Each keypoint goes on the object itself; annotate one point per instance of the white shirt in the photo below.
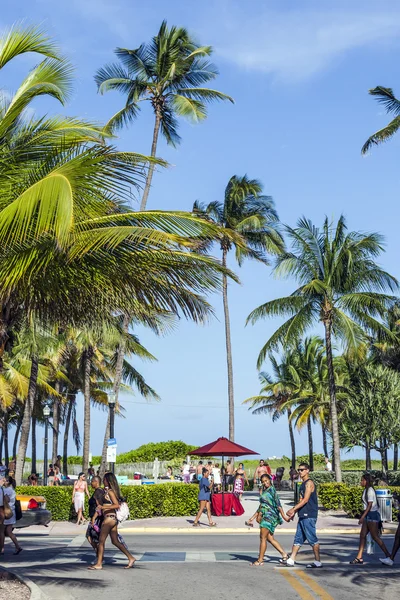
(370, 496)
(186, 469)
(10, 492)
(328, 466)
(217, 476)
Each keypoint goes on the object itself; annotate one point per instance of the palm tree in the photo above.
(252, 218)
(386, 97)
(340, 285)
(278, 394)
(168, 72)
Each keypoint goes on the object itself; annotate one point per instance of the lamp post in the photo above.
(46, 414)
(111, 404)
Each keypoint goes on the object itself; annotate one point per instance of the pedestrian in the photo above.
(209, 466)
(91, 473)
(57, 475)
(57, 463)
(268, 468)
(50, 475)
(185, 469)
(33, 479)
(269, 515)
(396, 544)
(3, 470)
(78, 497)
(229, 476)
(216, 475)
(369, 521)
(169, 474)
(9, 524)
(240, 478)
(109, 504)
(204, 498)
(1, 515)
(293, 476)
(328, 465)
(260, 470)
(11, 465)
(307, 509)
(199, 470)
(95, 518)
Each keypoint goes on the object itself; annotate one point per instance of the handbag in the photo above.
(122, 512)
(8, 513)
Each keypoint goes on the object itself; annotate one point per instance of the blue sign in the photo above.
(112, 442)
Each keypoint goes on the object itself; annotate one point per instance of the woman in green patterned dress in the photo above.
(269, 515)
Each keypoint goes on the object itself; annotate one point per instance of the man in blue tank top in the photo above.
(307, 509)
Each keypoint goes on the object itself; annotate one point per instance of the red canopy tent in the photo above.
(222, 447)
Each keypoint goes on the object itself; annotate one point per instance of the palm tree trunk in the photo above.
(56, 424)
(1, 443)
(87, 366)
(228, 343)
(152, 166)
(16, 436)
(291, 435)
(26, 420)
(324, 440)
(368, 458)
(34, 448)
(395, 457)
(333, 403)
(5, 427)
(310, 444)
(66, 434)
(117, 383)
(385, 455)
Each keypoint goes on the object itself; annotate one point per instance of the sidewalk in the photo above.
(328, 522)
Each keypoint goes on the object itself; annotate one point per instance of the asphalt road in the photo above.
(193, 566)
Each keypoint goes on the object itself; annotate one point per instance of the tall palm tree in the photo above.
(340, 286)
(278, 394)
(168, 72)
(252, 217)
(386, 97)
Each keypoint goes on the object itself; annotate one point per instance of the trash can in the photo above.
(385, 501)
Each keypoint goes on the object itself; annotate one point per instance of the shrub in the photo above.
(319, 477)
(145, 501)
(330, 495)
(333, 496)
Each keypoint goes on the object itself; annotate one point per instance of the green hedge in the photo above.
(353, 477)
(145, 501)
(333, 496)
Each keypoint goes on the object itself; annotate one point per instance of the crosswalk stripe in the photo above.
(200, 557)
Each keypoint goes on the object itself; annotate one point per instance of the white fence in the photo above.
(129, 469)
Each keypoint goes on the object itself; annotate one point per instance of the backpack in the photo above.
(122, 512)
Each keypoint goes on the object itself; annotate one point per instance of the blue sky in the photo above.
(299, 72)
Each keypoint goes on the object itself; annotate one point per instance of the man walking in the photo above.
(307, 509)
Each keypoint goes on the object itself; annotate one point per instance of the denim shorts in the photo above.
(306, 530)
(373, 516)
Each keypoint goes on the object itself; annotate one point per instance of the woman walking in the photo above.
(240, 477)
(78, 497)
(95, 519)
(269, 515)
(369, 520)
(109, 504)
(204, 499)
(9, 524)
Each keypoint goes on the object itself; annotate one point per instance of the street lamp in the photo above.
(46, 414)
(111, 403)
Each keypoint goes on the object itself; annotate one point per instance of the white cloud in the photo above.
(295, 45)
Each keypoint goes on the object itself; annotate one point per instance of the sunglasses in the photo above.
(302, 470)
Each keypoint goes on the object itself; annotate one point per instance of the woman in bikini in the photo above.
(78, 497)
(108, 505)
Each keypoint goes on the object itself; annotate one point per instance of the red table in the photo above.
(232, 505)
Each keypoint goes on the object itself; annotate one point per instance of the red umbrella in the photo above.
(222, 447)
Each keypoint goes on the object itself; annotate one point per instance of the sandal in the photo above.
(284, 559)
(357, 561)
(258, 563)
(212, 524)
(196, 524)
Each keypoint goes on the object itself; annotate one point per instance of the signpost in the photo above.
(112, 451)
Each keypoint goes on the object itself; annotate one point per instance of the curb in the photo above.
(36, 592)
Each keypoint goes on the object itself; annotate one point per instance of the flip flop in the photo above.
(18, 551)
(314, 566)
(258, 563)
